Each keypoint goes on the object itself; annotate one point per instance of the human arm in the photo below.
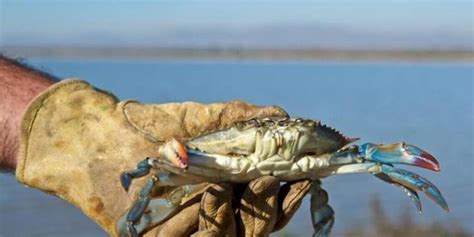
(19, 84)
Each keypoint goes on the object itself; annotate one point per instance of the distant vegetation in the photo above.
(237, 53)
(381, 226)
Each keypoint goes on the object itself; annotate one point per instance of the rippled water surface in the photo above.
(430, 105)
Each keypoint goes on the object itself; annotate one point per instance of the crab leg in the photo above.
(158, 209)
(322, 215)
(136, 220)
(134, 215)
(409, 181)
(143, 168)
(139, 206)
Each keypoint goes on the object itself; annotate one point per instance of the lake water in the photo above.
(427, 104)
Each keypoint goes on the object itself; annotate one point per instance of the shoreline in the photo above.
(237, 54)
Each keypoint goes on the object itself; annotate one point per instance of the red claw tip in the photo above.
(180, 151)
(428, 161)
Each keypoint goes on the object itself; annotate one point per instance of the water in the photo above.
(430, 105)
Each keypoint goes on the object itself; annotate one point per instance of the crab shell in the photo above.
(242, 138)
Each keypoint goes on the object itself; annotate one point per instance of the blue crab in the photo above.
(289, 149)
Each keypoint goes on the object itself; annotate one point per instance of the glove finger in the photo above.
(259, 207)
(189, 119)
(289, 200)
(216, 213)
(237, 111)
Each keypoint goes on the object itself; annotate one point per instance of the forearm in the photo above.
(19, 84)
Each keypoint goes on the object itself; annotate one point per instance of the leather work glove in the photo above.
(76, 140)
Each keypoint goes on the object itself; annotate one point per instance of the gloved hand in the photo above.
(76, 140)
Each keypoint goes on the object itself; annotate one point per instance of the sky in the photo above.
(386, 24)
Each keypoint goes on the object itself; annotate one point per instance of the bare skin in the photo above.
(19, 84)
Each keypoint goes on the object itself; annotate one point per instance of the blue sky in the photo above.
(324, 24)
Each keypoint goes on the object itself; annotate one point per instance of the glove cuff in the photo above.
(74, 142)
(30, 115)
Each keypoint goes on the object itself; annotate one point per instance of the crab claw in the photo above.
(399, 153)
(412, 183)
(175, 153)
(412, 194)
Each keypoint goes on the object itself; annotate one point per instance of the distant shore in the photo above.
(237, 54)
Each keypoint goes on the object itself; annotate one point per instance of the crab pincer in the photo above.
(399, 153)
(174, 153)
(402, 153)
(412, 183)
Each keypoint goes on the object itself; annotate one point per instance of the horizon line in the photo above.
(236, 53)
